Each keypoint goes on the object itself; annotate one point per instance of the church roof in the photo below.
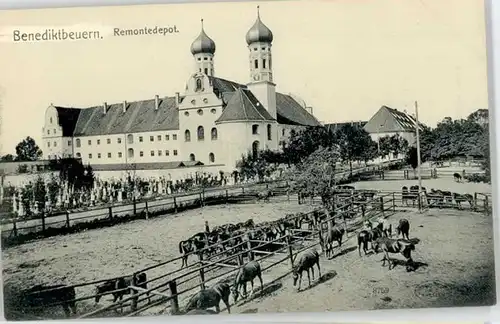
(259, 33)
(243, 106)
(203, 43)
(387, 120)
(289, 111)
(140, 116)
(67, 119)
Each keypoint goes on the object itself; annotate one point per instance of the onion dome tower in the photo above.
(259, 39)
(203, 50)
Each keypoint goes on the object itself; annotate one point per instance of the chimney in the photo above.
(125, 106)
(157, 102)
(105, 107)
(177, 97)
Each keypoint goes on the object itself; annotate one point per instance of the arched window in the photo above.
(264, 63)
(130, 139)
(256, 64)
(255, 129)
(78, 155)
(269, 132)
(201, 133)
(192, 157)
(78, 142)
(206, 71)
(214, 134)
(187, 135)
(130, 153)
(211, 158)
(255, 149)
(51, 120)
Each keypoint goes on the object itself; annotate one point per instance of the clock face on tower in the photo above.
(256, 77)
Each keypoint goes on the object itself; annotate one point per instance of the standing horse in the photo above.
(247, 273)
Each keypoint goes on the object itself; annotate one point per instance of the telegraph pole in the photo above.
(417, 127)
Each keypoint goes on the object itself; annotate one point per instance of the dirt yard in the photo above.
(457, 247)
(457, 269)
(122, 249)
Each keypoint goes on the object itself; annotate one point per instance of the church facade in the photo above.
(213, 122)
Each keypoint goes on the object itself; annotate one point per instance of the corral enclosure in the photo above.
(119, 250)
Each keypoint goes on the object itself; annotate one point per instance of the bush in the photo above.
(477, 177)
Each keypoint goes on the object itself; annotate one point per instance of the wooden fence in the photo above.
(72, 221)
(175, 284)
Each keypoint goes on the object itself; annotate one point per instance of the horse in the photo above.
(39, 295)
(385, 227)
(247, 273)
(210, 297)
(306, 262)
(457, 177)
(119, 287)
(403, 228)
(388, 245)
(264, 195)
(185, 247)
(333, 235)
(364, 237)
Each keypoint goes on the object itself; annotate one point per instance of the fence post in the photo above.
(133, 301)
(227, 196)
(475, 201)
(201, 199)
(202, 271)
(43, 221)
(14, 228)
(394, 201)
(290, 250)
(110, 212)
(135, 206)
(175, 205)
(67, 219)
(250, 252)
(287, 194)
(147, 210)
(486, 204)
(363, 210)
(382, 205)
(242, 189)
(174, 301)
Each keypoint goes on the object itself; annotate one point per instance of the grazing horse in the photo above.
(388, 245)
(247, 273)
(39, 296)
(457, 177)
(210, 297)
(306, 262)
(462, 198)
(403, 228)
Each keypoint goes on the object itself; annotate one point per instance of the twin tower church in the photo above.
(213, 123)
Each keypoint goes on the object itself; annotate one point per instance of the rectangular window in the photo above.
(174, 137)
(159, 153)
(151, 138)
(119, 140)
(69, 143)
(167, 152)
(55, 144)
(98, 142)
(141, 153)
(167, 137)
(108, 140)
(109, 155)
(140, 138)
(89, 142)
(159, 137)
(90, 155)
(98, 155)
(175, 152)
(119, 154)
(48, 132)
(152, 153)
(48, 144)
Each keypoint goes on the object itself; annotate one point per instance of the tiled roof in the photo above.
(334, 126)
(387, 120)
(140, 116)
(67, 119)
(244, 106)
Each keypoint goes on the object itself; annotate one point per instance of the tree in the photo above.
(251, 166)
(412, 158)
(302, 144)
(384, 145)
(398, 145)
(352, 141)
(40, 193)
(28, 150)
(316, 174)
(8, 158)
(73, 172)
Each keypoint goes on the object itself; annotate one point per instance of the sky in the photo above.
(344, 58)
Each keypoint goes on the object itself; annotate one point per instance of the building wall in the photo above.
(53, 143)
(160, 146)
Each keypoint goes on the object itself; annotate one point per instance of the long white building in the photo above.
(213, 122)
